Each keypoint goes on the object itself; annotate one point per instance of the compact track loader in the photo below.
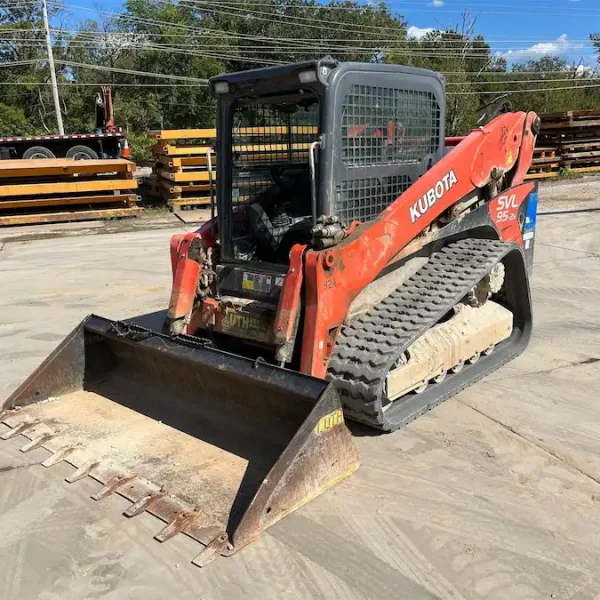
(355, 267)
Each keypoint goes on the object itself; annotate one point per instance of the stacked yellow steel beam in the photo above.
(181, 175)
(62, 189)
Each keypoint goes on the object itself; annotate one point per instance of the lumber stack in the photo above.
(62, 189)
(567, 140)
(180, 175)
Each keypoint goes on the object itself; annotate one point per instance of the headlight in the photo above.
(307, 76)
(221, 87)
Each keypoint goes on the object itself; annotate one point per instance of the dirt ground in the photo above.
(493, 495)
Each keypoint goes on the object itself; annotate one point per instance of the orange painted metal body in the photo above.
(333, 278)
(362, 256)
(186, 271)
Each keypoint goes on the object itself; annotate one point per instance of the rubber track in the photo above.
(368, 348)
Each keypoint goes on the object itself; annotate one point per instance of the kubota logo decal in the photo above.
(437, 192)
(328, 422)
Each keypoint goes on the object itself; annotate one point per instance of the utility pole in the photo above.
(59, 122)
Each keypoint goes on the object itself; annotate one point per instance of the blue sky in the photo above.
(545, 26)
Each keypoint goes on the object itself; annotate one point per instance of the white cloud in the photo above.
(437, 3)
(562, 45)
(585, 71)
(418, 32)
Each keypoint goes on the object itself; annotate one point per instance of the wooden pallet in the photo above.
(176, 203)
(199, 134)
(567, 139)
(268, 149)
(587, 123)
(129, 200)
(183, 134)
(174, 189)
(67, 187)
(545, 151)
(181, 177)
(63, 167)
(177, 162)
(58, 190)
(180, 150)
(589, 154)
(64, 217)
(570, 114)
(550, 174)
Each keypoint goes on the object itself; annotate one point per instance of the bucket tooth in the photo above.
(178, 524)
(37, 442)
(113, 486)
(20, 428)
(212, 551)
(60, 455)
(83, 471)
(143, 504)
(4, 414)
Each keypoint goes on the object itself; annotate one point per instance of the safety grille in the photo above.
(266, 139)
(384, 126)
(364, 199)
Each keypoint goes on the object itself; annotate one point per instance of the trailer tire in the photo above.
(38, 152)
(82, 153)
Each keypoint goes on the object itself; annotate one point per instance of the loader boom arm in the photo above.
(504, 146)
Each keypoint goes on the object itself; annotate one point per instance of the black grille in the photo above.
(383, 126)
(267, 138)
(364, 199)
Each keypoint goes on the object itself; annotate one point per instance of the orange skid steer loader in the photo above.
(354, 268)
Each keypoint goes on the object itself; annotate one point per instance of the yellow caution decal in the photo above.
(328, 422)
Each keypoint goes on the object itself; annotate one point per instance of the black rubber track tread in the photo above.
(368, 348)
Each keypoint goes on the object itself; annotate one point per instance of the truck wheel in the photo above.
(82, 153)
(38, 152)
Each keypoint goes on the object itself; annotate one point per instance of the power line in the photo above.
(389, 5)
(222, 33)
(159, 22)
(516, 81)
(207, 30)
(234, 56)
(184, 35)
(478, 73)
(187, 85)
(141, 45)
(422, 47)
(234, 53)
(113, 84)
(19, 63)
(132, 72)
(472, 53)
(202, 5)
(435, 52)
(525, 91)
(438, 10)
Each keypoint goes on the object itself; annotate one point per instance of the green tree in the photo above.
(13, 121)
(463, 57)
(557, 84)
